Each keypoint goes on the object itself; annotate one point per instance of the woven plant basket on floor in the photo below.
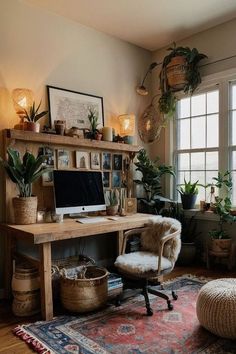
(25, 210)
(86, 294)
(176, 73)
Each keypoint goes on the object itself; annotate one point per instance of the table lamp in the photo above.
(22, 99)
(127, 127)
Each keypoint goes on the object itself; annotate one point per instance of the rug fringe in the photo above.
(34, 343)
(190, 276)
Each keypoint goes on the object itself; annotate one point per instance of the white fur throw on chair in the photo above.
(146, 260)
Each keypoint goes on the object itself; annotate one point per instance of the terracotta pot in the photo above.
(221, 245)
(176, 73)
(25, 210)
(32, 126)
(98, 136)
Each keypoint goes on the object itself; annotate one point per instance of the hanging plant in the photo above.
(180, 72)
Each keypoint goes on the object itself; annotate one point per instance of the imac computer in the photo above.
(78, 191)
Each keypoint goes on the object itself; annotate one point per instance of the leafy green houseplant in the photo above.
(31, 117)
(112, 208)
(180, 71)
(152, 174)
(222, 206)
(188, 194)
(93, 133)
(24, 172)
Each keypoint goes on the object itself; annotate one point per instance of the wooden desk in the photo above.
(44, 234)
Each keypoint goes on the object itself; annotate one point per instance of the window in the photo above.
(205, 133)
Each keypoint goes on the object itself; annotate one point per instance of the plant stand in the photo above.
(218, 256)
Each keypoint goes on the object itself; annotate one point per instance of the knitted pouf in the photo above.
(216, 307)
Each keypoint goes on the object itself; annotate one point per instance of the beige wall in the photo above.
(39, 48)
(217, 43)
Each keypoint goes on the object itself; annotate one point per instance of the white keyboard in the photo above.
(92, 220)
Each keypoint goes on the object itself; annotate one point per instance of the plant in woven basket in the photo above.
(31, 117)
(180, 71)
(112, 207)
(24, 172)
(93, 119)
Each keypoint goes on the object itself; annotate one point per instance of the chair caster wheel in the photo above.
(170, 306)
(149, 312)
(174, 295)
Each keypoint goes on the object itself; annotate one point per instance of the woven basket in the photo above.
(87, 294)
(68, 264)
(25, 210)
(176, 73)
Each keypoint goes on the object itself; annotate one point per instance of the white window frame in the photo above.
(220, 80)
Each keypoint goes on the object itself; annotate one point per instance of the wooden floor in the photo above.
(9, 344)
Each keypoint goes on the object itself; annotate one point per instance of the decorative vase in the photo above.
(32, 127)
(176, 73)
(25, 210)
(188, 201)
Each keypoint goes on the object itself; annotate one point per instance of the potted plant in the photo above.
(220, 240)
(24, 172)
(93, 133)
(152, 174)
(188, 194)
(180, 71)
(112, 208)
(32, 116)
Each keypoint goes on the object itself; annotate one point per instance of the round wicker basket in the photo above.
(86, 294)
(25, 210)
(176, 73)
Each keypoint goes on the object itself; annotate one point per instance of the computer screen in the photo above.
(78, 191)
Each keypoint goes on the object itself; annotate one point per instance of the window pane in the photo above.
(213, 102)
(233, 162)
(183, 162)
(212, 160)
(210, 175)
(233, 130)
(182, 176)
(198, 105)
(184, 108)
(213, 131)
(197, 161)
(233, 97)
(201, 195)
(184, 134)
(198, 176)
(198, 132)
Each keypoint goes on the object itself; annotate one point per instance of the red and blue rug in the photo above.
(127, 329)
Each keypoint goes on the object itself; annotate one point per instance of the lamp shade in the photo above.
(22, 99)
(127, 124)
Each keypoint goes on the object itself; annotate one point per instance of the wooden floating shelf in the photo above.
(43, 138)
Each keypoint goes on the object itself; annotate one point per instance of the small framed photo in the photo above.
(116, 179)
(63, 159)
(47, 179)
(49, 153)
(117, 162)
(106, 179)
(106, 161)
(95, 161)
(82, 160)
(130, 206)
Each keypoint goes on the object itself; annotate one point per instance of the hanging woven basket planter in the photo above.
(176, 73)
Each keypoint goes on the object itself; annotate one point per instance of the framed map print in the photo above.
(73, 107)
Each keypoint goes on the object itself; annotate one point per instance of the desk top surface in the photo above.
(49, 232)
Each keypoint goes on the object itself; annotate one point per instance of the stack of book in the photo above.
(115, 285)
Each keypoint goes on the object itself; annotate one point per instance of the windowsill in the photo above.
(201, 215)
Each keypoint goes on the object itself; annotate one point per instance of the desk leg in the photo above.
(46, 281)
(119, 241)
(8, 264)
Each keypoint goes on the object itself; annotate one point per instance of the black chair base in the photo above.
(141, 286)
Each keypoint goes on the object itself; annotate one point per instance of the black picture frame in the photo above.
(73, 107)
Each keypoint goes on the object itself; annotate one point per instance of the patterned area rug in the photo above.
(127, 329)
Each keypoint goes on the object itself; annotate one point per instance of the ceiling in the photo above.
(150, 24)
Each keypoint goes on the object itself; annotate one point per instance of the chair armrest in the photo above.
(129, 233)
(162, 243)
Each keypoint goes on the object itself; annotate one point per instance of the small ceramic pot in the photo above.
(32, 127)
(112, 210)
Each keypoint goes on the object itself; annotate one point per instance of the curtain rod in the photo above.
(218, 61)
